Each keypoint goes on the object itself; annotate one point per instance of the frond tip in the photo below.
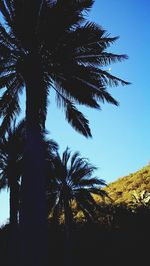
(77, 120)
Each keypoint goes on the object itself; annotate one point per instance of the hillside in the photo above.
(123, 189)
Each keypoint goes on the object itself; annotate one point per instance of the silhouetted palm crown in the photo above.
(12, 146)
(11, 154)
(47, 44)
(71, 180)
(11, 166)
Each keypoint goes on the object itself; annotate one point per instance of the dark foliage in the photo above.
(71, 183)
(12, 146)
(50, 44)
(123, 242)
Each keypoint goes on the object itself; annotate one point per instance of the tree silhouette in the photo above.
(11, 168)
(71, 181)
(44, 45)
(12, 146)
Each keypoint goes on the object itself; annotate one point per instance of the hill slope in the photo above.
(122, 190)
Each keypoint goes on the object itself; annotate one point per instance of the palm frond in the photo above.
(92, 182)
(91, 82)
(11, 154)
(50, 146)
(6, 79)
(82, 170)
(7, 39)
(10, 112)
(73, 116)
(3, 183)
(86, 208)
(76, 90)
(77, 120)
(111, 80)
(98, 191)
(5, 12)
(88, 37)
(99, 58)
(74, 160)
(9, 104)
(65, 157)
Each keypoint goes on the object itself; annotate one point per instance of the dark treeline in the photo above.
(120, 238)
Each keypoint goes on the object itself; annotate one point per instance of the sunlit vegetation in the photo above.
(123, 190)
(131, 192)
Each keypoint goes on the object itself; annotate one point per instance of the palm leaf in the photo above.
(3, 183)
(5, 12)
(77, 120)
(65, 157)
(86, 208)
(92, 182)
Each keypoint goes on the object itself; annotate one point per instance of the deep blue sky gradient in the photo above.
(120, 143)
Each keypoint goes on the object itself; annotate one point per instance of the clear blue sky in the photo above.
(120, 143)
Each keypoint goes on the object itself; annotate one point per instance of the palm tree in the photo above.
(48, 45)
(11, 168)
(12, 146)
(71, 181)
(11, 154)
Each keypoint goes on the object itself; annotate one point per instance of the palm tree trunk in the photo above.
(14, 203)
(33, 216)
(68, 231)
(14, 206)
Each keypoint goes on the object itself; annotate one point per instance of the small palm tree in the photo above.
(11, 168)
(11, 154)
(12, 146)
(72, 181)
